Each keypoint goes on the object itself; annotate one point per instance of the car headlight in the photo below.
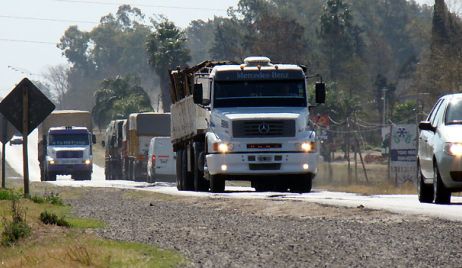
(454, 149)
(222, 147)
(87, 162)
(51, 162)
(308, 147)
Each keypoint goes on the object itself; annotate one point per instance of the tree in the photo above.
(167, 49)
(116, 46)
(118, 98)
(57, 78)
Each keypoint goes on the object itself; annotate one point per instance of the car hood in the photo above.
(451, 133)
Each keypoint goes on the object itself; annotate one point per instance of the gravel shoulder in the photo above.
(217, 232)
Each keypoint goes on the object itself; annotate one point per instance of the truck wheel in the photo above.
(86, 176)
(200, 183)
(188, 179)
(217, 184)
(179, 173)
(424, 191)
(301, 184)
(440, 193)
(51, 176)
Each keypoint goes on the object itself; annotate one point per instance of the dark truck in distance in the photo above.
(113, 150)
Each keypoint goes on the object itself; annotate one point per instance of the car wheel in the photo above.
(425, 191)
(217, 184)
(441, 194)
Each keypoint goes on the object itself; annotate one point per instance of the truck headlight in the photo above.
(51, 162)
(87, 162)
(222, 147)
(308, 147)
(454, 149)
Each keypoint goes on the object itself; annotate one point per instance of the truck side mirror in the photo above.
(197, 94)
(93, 138)
(320, 92)
(103, 143)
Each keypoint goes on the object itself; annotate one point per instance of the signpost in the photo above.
(403, 151)
(26, 107)
(6, 133)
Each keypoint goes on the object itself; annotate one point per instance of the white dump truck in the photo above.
(65, 145)
(245, 121)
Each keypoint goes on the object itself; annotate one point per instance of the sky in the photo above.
(30, 29)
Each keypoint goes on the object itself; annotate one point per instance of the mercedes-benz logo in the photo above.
(264, 128)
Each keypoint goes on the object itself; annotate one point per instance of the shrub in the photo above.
(51, 198)
(18, 227)
(8, 194)
(13, 231)
(51, 218)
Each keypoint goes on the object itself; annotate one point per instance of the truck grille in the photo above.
(275, 166)
(69, 154)
(263, 128)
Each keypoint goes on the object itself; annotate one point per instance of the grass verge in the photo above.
(50, 245)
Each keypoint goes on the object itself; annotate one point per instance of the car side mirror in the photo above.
(426, 125)
(198, 94)
(93, 138)
(320, 89)
(103, 143)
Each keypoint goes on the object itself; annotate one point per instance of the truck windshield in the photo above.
(274, 93)
(69, 139)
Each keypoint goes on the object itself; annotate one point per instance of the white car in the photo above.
(439, 157)
(161, 160)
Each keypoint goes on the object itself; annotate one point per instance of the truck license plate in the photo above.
(264, 158)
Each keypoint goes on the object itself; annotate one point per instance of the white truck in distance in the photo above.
(65, 145)
(243, 122)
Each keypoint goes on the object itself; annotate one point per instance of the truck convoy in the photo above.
(137, 134)
(243, 122)
(113, 150)
(65, 145)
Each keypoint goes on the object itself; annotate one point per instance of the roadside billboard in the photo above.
(403, 152)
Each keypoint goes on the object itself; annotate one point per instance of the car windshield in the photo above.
(284, 93)
(454, 112)
(69, 139)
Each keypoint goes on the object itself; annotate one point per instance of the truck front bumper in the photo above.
(69, 169)
(268, 163)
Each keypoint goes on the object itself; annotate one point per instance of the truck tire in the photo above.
(50, 176)
(187, 177)
(217, 184)
(441, 194)
(200, 183)
(301, 183)
(179, 173)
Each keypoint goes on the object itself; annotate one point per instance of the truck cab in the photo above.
(68, 151)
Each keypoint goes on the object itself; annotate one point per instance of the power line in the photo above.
(140, 5)
(47, 19)
(26, 41)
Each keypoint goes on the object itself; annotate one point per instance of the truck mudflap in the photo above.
(268, 163)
